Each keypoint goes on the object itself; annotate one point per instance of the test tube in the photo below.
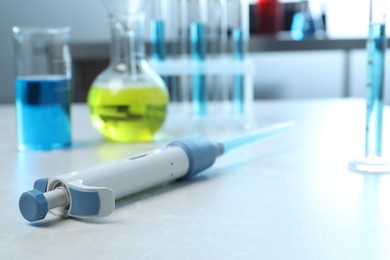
(376, 48)
(157, 39)
(238, 81)
(223, 44)
(240, 34)
(181, 42)
(162, 37)
(217, 26)
(198, 53)
(244, 19)
(170, 14)
(223, 33)
(183, 28)
(217, 42)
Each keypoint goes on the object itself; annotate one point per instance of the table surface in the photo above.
(289, 197)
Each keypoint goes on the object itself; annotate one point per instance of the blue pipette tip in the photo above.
(257, 135)
(33, 205)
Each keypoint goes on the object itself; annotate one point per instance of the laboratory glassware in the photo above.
(307, 22)
(198, 20)
(157, 39)
(92, 192)
(198, 36)
(238, 80)
(268, 17)
(42, 87)
(239, 38)
(128, 100)
(373, 160)
(158, 45)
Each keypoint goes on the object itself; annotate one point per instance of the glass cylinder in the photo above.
(42, 87)
(128, 100)
(376, 48)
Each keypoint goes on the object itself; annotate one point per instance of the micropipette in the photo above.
(92, 192)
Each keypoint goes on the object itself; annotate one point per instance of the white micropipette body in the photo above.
(92, 192)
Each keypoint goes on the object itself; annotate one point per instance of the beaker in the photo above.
(128, 100)
(42, 87)
(376, 48)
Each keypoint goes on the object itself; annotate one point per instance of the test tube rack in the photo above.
(198, 47)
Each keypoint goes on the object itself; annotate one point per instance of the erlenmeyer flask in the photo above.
(128, 100)
(307, 22)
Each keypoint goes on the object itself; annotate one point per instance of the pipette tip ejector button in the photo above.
(33, 205)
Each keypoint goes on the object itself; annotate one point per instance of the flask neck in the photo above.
(127, 45)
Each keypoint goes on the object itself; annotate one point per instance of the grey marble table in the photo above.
(289, 197)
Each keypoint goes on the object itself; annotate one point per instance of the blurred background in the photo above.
(326, 61)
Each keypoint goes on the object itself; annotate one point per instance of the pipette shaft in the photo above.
(92, 192)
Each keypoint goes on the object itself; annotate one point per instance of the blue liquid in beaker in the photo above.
(376, 47)
(43, 112)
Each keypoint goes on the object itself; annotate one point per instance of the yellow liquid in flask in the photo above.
(128, 114)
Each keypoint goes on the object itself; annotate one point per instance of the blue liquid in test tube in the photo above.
(198, 52)
(157, 38)
(376, 47)
(43, 112)
(238, 82)
(373, 162)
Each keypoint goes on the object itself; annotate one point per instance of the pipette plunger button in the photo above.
(33, 205)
